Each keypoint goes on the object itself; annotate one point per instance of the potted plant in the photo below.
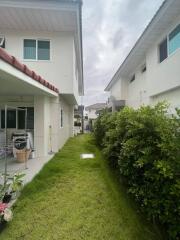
(8, 192)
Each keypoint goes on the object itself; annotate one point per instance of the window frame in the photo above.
(37, 39)
(9, 110)
(2, 42)
(17, 119)
(170, 54)
(61, 118)
(143, 68)
(133, 78)
(167, 37)
(162, 41)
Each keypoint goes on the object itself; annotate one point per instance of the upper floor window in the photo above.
(174, 40)
(36, 49)
(61, 118)
(132, 78)
(2, 42)
(163, 50)
(143, 69)
(170, 44)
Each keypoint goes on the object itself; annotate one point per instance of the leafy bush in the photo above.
(144, 145)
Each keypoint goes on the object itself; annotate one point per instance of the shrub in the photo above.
(144, 145)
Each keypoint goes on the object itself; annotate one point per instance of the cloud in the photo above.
(110, 29)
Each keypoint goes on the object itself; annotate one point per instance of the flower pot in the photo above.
(22, 155)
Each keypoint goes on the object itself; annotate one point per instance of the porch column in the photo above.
(55, 124)
(41, 125)
(71, 121)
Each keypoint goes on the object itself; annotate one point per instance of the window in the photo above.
(163, 50)
(174, 40)
(17, 118)
(11, 119)
(36, 49)
(170, 44)
(2, 42)
(143, 69)
(30, 49)
(61, 118)
(43, 50)
(133, 78)
(22, 117)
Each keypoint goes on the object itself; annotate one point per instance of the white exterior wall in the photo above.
(75, 75)
(59, 69)
(137, 90)
(48, 133)
(41, 125)
(92, 114)
(116, 90)
(62, 73)
(172, 97)
(161, 81)
(163, 76)
(46, 113)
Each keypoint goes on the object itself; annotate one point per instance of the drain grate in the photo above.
(87, 155)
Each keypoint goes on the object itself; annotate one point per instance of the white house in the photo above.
(41, 69)
(92, 110)
(151, 71)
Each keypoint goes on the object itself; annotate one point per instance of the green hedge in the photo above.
(144, 145)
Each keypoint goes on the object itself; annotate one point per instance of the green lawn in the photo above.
(73, 198)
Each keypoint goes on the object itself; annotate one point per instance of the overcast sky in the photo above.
(110, 30)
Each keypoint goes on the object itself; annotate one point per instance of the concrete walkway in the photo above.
(32, 168)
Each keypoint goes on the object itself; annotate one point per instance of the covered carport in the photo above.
(25, 99)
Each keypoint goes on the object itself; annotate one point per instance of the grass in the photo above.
(73, 199)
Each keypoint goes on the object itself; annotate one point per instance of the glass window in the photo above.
(174, 40)
(61, 118)
(43, 50)
(163, 50)
(30, 49)
(133, 78)
(22, 118)
(143, 68)
(11, 119)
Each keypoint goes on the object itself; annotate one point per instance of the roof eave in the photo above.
(149, 27)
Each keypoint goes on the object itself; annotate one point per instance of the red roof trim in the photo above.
(24, 69)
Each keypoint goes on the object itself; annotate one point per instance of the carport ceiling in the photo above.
(10, 85)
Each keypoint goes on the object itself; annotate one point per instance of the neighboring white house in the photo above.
(41, 69)
(151, 71)
(92, 110)
(91, 113)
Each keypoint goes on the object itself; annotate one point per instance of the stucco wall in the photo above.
(49, 135)
(137, 90)
(161, 81)
(116, 90)
(59, 70)
(165, 75)
(172, 97)
(92, 114)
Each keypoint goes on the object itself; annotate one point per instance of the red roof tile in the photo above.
(23, 68)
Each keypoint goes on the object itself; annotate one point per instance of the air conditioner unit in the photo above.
(2, 42)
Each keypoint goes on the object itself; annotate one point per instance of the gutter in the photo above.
(81, 36)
